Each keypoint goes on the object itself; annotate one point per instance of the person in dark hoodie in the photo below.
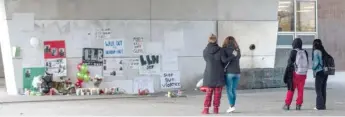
(213, 75)
(232, 69)
(296, 74)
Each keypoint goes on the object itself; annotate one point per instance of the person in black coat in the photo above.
(213, 74)
(292, 79)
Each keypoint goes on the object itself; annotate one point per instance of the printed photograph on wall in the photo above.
(57, 67)
(113, 67)
(54, 49)
(113, 47)
(29, 74)
(149, 64)
(138, 45)
(93, 56)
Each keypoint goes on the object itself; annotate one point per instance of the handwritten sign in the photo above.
(113, 47)
(103, 33)
(143, 83)
(149, 64)
(93, 56)
(133, 63)
(138, 47)
(170, 80)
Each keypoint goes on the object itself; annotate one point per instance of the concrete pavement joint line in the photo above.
(75, 99)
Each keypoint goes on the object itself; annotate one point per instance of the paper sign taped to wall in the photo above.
(170, 80)
(143, 83)
(149, 64)
(113, 67)
(114, 47)
(173, 40)
(154, 48)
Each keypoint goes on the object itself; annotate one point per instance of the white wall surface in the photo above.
(250, 21)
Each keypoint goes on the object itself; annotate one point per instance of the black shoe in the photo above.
(298, 107)
(286, 107)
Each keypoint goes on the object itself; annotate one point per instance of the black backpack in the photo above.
(329, 66)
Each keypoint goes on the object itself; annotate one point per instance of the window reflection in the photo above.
(286, 16)
(306, 16)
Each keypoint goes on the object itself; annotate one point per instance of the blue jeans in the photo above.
(231, 86)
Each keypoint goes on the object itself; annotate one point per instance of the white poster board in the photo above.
(113, 47)
(142, 83)
(113, 67)
(58, 67)
(173, 40)
(138, 45)
(170, 61)
(170, 80)
(154, 48)
(149, 64)
(133, 63)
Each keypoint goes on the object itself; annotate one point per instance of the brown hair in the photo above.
(212, 39)
(230, 40)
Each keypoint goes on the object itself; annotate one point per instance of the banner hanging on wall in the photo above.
(114, 47)
(54, 49)
(138, 45)
(149, 64)
(58, 67)
(113, 67)
(93, 56)
(170, 80)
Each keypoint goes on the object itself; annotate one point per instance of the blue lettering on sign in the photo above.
(109, 43)
(114, 52)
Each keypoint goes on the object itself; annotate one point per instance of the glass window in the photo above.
(307, 39)
(306, 16)
(286, 16)
(285, 39)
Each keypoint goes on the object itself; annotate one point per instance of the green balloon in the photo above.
(87, 78)
(83, 68)
(79, 75)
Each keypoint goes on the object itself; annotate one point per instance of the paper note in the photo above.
(149, 64)
(113, 47)
(142, 83)
(154, 48)
(113, 67)
(170, 61)
(138, 45)
(170, 80)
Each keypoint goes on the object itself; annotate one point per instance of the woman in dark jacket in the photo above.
(213, 75)
(232, 69)
(293, 79)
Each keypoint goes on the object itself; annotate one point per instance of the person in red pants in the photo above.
(296, 74)
(213, 80)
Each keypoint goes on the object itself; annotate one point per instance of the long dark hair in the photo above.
(230, 40)
(317, 45)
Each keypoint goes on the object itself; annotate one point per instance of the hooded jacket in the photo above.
(231, 59)
(290, 68)
(214, 71)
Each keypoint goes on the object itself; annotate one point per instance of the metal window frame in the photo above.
(295, 32)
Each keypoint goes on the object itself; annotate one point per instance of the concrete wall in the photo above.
(331, 20)
(250, 21)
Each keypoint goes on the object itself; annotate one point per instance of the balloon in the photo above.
(80, 75)
(79, 66)
(87, 79)
(83, 68)
(34, 42)
(80, 79)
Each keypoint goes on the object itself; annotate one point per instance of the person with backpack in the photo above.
(323, 65)
(296, 74)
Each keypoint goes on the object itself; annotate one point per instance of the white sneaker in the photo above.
(231, 109)
(316, 108)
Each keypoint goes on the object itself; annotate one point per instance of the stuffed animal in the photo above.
(37, 82)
